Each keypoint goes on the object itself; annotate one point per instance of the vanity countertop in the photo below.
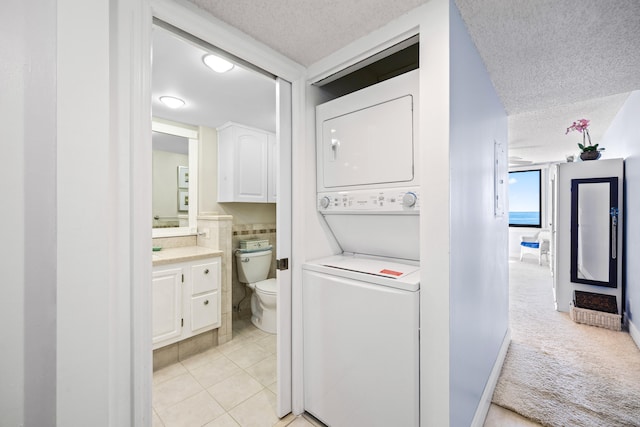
(181, 254)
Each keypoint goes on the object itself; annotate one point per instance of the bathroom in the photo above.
(202, 209)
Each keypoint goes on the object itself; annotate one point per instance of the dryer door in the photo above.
(369, 146)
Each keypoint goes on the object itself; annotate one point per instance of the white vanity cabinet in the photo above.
(186, 299)
(246, 164)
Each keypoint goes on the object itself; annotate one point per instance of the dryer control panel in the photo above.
(386, 200)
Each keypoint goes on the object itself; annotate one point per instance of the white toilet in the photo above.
(253, 269)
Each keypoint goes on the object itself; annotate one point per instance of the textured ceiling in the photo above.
(551, 61)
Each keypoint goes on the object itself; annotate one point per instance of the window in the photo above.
(524, 198)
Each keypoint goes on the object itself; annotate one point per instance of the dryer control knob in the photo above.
(409, 200)
(325, 202)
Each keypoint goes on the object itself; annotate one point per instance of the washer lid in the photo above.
(269, 286)
(383, 271)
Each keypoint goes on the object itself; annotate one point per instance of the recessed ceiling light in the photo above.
(172, 101)
(217, 64)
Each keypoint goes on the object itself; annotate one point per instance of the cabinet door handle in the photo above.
(206, 271)
(206, 302)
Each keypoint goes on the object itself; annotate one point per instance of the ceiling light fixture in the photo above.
(217, 64)
(172, 101)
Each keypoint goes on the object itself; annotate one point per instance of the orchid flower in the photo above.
(579, 125)
(582, 126)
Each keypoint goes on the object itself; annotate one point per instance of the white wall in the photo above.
(28, 182)
(622, 139)
(479, 317)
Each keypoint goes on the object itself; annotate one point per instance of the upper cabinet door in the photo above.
(251, 162)
(244, 165)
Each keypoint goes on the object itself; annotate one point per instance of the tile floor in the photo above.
(234, 385)
(231, 385)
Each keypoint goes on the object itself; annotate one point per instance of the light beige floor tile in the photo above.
(255, 334)
(269, 343)
(167, 373)
(248, 355)
(301, 422)
(224, 421)
(257, 411)
(235, 390)
(501, 417)
(285, 421)
(174, 390)
(236, 343)
(202, 358)
(155, 420)
(194, 411)
(274, 388)
(264, 371)
(215, 371)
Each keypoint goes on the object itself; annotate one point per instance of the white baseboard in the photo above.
(635, 333)
(487, 394)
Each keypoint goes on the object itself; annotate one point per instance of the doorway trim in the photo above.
(194, 21)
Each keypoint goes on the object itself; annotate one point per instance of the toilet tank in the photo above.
(253, 266)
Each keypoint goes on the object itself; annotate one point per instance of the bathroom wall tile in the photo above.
(174, 242)
(235, 390)
(197, 344)
(165, 356)
(196, 410)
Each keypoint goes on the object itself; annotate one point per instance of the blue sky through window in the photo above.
(524, 198)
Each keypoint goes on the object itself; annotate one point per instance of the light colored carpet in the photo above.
(560, 373)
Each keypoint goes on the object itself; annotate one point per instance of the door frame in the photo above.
(206, 27)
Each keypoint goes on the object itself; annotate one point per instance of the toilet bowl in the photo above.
(253, 269)
(263, 305)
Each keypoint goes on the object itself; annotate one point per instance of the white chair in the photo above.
(538, 244)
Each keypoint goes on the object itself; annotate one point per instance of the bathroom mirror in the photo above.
(175, 183)
(594, 231)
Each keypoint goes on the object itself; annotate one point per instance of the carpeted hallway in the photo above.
(560, 373)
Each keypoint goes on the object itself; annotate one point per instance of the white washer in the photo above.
(361, 341)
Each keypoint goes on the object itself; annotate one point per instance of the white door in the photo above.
(283, 249)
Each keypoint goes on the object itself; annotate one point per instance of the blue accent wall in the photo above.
(479, 313)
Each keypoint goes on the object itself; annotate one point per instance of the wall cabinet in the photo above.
(186, 300)
(246, 164)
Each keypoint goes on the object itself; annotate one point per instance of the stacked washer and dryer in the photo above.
(361, 307)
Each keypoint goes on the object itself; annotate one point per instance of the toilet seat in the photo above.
(269, 286)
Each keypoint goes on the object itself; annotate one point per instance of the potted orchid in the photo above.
(588, 151)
